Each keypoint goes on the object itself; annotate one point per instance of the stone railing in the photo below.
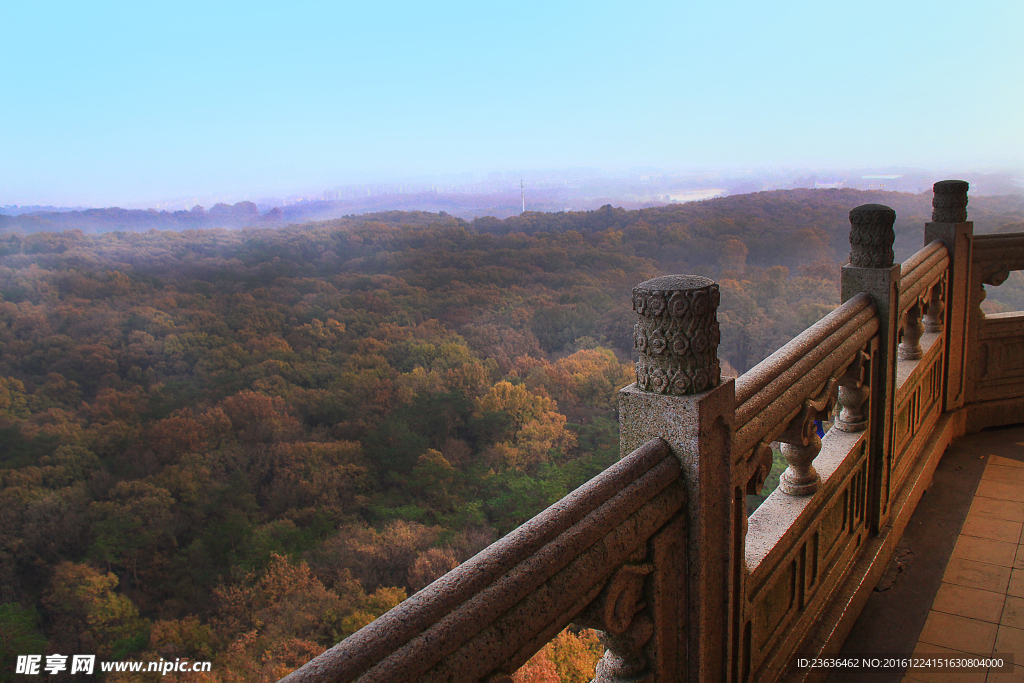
(658, 552)
(605, 556)
(996, 379)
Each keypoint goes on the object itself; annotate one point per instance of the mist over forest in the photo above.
(497, 194)
(242, 445)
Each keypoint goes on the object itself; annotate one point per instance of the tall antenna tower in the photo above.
(522, 193)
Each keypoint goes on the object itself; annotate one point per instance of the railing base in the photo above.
(1007, 411)
(845, 607)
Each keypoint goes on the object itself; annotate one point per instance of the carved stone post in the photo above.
(871, 270)
(679, 397)
(949, 201)
(677, 334)
(963, 296)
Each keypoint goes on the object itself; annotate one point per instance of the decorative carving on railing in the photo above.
(999, 357)
(801, 443)
(853, 393)
(677, 334)
(993, 275)
(761, 467)
(626, 628)
(996, 274)
(612, 554)
(949, 201)
(872, 236)
(918, 403)
(995, 256)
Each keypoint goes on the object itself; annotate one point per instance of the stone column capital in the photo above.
(677, 334)
(872, 236)
(949, 203)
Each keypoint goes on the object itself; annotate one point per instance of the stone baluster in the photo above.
(913, 328)
(624, 660)
(800, 449)
(934, 318)
(871, 270)
(625, 627)
(801, 444)
(853, 393)
(679, 396)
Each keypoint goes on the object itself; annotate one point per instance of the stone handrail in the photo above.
(921, 274)
(800, 546)
(658, 552)
(1001, 249)
(922, 297)
(584, 559)
(772, 392)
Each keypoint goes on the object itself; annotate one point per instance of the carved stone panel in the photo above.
(640, 613)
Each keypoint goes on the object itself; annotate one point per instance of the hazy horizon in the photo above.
(542, 187)
(112, 104)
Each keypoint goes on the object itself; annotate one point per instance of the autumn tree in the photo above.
(524, 426)
(88, 615)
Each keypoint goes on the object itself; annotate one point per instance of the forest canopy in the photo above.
(243, 445)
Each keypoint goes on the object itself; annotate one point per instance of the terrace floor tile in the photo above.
(1000, 509)
(959, 633)
(969, 602)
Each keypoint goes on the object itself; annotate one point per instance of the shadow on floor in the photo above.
(896, 611)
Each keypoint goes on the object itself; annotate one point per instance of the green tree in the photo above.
(19, 635)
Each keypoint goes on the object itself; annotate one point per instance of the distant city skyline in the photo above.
(125, 104)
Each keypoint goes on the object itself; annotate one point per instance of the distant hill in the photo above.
(246, 214)
(14, 210)
(767, 221)
(134, 220)
(755, 218)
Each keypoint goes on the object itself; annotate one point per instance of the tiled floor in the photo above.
(979, 608)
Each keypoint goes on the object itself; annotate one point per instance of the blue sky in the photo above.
(108, 103)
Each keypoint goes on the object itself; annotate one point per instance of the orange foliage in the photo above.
(257, 418)
(531, 426)
(569, 658)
